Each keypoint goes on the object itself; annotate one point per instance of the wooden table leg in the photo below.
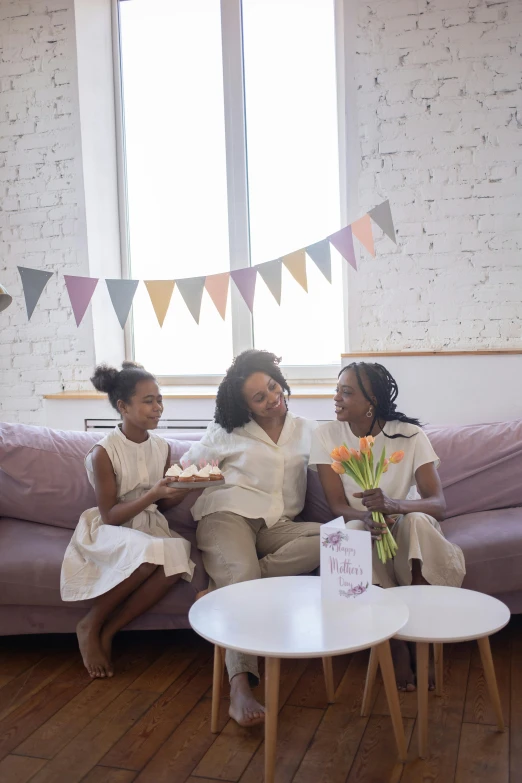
(217, 682)
(390, 686)
(371, 674)
(329, 680)
(439, 668)
(272, 670)
(423, 655)
(489, 673)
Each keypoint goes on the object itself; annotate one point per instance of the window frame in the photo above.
(237, 179)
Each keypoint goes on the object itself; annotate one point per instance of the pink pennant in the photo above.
(80, 290)
(343, 242)
(245, 279)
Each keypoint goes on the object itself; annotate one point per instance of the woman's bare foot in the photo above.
(106, 645)
(244, 708)
(403, 665)
(93, 655)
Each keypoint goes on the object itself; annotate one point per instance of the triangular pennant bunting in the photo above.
(296, 264)
(33, 283)
(122, 293)
(270, 271)
(362, 229)
(160, 292)
(245, 279)
(320, 254)
(217, 289)
(343, 242)
(80, 290)
(383, 217)
(191, 289)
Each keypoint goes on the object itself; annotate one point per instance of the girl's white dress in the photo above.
(101, 556)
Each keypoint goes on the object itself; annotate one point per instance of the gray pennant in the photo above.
(33, 283)
(122, 293)
(381, 215)
(319, 252)
(270, 271)
(191, 289)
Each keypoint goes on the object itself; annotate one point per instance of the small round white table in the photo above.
(284, 617)
(440, 615)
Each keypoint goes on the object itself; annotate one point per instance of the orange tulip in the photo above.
(356, 454)
(344, 454)
(397, 457)
(334, 454)
(365, 445)
(337, 468)
(386, 463)
(371, 440)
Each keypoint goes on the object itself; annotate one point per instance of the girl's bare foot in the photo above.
(403, 665)
(244, 708)
(93, 655)
(106, 645)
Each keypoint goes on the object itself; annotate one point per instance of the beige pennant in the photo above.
(160, 292)
(217, 288)
(296, 264)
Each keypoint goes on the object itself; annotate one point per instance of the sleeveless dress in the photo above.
(101, 556)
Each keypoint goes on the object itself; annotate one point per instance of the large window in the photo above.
(231, 159)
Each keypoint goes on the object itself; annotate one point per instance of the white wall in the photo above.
(41, 201)
(439, 109)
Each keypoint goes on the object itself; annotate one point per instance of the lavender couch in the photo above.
(44, 489)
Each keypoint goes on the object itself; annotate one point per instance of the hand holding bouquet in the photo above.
(360, 466)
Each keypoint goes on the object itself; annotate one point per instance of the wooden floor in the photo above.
(150, 723)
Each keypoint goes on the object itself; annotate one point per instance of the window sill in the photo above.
(317, 391)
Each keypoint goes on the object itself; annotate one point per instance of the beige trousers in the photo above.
(236, 549)
(419, 537)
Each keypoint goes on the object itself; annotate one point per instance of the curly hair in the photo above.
(385, 390)
(231, 409)
(119, 384)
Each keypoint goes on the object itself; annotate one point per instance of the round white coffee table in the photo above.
(439, 615)
(284, 617)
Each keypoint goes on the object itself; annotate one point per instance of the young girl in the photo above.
(123, 553)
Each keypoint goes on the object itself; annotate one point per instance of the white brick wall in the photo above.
(40, 205)
(440, 115)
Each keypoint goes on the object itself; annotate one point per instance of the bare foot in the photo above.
(93, 656)
(403, 666)
(244, 708)
(106, 645)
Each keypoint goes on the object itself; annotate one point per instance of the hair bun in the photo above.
(105, 378)
(128, 365)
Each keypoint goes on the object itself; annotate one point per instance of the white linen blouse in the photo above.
(399, 481)
(264, 480)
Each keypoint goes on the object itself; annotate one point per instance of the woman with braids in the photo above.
(410, 496)
(122, 553)
(246, 527)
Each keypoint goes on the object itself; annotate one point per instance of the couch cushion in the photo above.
(492, 546)
(481, 465)
(42, 473)
(31, 557)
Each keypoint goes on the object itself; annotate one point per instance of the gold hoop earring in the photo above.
(369, 415)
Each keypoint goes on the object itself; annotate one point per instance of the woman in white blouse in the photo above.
(410, 493)
(246, 528)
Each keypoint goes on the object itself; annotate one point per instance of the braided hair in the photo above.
(120, 384)
(385, 390)
(231, 409)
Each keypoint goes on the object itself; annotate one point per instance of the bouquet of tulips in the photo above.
(361, 467)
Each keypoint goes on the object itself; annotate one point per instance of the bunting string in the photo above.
(122, 292)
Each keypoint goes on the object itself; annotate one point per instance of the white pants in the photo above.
(418, 537)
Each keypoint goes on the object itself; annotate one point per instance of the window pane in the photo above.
(176, 175)
(293, 170)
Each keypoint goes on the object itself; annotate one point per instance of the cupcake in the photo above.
(189, 474)
(174, 472)
(215, 473)
(203, 473)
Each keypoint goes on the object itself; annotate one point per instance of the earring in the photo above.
(370, 413)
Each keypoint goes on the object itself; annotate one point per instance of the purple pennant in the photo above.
(343, 242)
(80, 290)
(245, 279)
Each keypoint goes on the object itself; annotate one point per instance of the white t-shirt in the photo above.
(399, 481)
(264, 480)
